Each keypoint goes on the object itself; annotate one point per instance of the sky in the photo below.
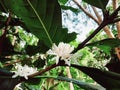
(78, 23)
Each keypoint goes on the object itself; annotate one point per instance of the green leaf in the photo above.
(2, 7)
(2, 20)
(63, 2)
(81, 84)
(41, 17)
(106, 45)
(52, 87)
(39, 63)
(32, 50)
(107, 79)
(8, 83)
(33, 81)
(75, 10)
(97, 3)
(4, 72)
(6, 80)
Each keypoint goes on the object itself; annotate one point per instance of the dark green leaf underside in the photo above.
(97, 3)
(106, 44)
(107, 79)
(42, 18)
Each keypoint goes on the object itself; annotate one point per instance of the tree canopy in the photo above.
(37, 52)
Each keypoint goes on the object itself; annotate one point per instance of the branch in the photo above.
(97, 14)
(116, 20)
(61, 63)
(44, 70)
(85, 11)
(2, 38)
(108, 19)
(69, 76)
(106, 28)
(8, 64)
(81, 45)
(115, 13)
(17, 61)
(8, 20)
(115, 5)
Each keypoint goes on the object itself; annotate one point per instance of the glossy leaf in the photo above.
(42, 18)
(8, 83)
(106, 44)
(81, 84)
(33, 81)
(6, 80)
(75, 10)
(4, 72)
(32, 50)
(107, 79)
(63, 2)
(2, 7)
(97, 3)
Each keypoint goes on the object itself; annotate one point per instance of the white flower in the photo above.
(43, 56)
(23, 71)
(62, 51)
(18, 87)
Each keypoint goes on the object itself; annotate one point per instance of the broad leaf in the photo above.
(2, 7)
(106, 44)
(63, 2)
(4, 72)
(97, 3)
(6, 82)
(32, 50)
(41, 17)
(75, 10)
(107, 79)
(81, 84)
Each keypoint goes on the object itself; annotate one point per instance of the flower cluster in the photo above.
(23, 71)
(62, 51)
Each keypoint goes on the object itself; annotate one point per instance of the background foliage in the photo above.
(28, 28)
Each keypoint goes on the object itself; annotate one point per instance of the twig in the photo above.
(97, 14)
(108, 19)
(106, 28)
(61, 63)
(115, 13)
(8, 64)
(44, 70)
(2, 38)
(85, 11)
(81, 45)
(69, 76)
(11, 63)
(8, 21)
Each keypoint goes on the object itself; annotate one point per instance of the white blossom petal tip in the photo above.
(63, 51)
(23, 71)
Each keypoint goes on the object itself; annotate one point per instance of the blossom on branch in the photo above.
(62, 51)
(23, 71)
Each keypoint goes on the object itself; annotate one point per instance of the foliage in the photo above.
(28, 30)
(46, 20)
(98, 3)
